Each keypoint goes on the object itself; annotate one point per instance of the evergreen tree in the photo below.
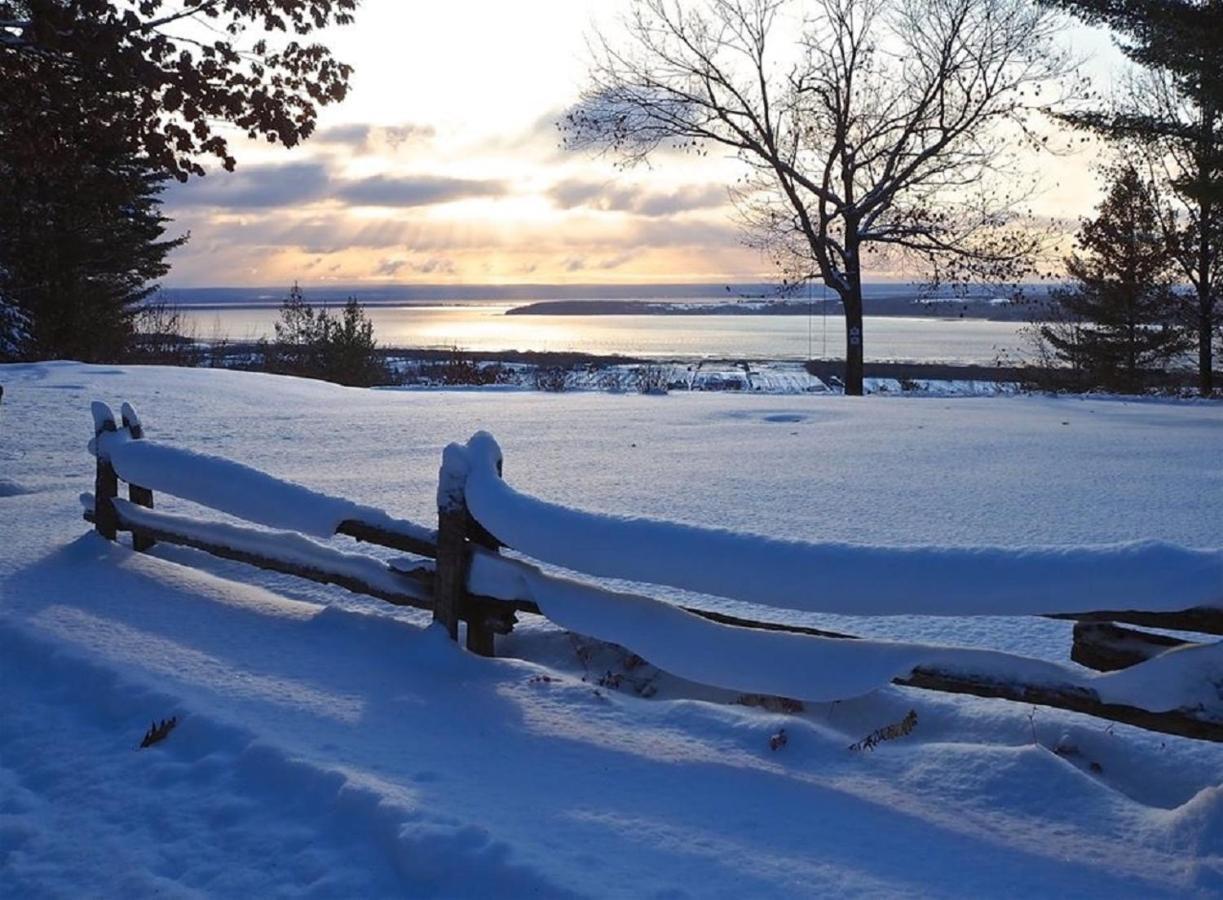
(351, 352)
(81, 231)
(1121, 318)
(1173, 119)
(300, 334)
(311, 343)
(14, 330)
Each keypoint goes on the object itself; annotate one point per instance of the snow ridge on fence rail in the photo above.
(824, 669)
(237, 489)
(850, 579)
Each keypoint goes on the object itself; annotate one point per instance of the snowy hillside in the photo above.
(328, 745)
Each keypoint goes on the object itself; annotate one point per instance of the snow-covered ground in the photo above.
(329, 746)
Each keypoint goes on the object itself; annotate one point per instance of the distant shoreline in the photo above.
(901, 299)
(880, 307)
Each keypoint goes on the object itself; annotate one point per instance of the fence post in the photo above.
(141, 496)
(480, 633)
(105, 483)
(450, 583)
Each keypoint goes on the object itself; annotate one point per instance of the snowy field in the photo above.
(328, 746)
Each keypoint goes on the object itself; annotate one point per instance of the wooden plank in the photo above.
(141, 496)
(450, 580)
(105, 482)
(1106, 647)
(412, 595)
(1202, 619)
(1179, 722)
(386, 537)
(725, 619)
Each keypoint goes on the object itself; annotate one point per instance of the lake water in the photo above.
(485, 327)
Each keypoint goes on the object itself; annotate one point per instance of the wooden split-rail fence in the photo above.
(439, 583)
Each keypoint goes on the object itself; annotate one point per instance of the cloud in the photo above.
(354, 135)
(254, 187)
(424, 190)
(586, 264)
(301, 184)
(390, 266)
(364, 138)
(434, 265)
(576, 192)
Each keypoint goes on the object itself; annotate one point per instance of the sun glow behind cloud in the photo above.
(443, 166)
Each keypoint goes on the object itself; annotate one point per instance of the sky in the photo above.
(444, 166)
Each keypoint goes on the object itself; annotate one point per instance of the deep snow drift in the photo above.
(328, 745)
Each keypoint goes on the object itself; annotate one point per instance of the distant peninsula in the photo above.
(977, 307)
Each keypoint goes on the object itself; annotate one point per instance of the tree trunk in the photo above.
(851, 301)
(1207, 249)
(853, 345)
(1205, 350)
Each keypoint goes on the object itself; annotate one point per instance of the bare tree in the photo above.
(878, 126)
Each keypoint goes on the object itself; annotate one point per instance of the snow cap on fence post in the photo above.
(452, 477)
(131, 421)
(102, 416)
(484, 452)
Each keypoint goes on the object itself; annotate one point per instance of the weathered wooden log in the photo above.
(106, 482)
(1185, 723)
(450, 580)
(1202, 619)
(726, 619)
(413, 593)
(385, 537)
(141, 496)
(1106, 647)
(484, 618)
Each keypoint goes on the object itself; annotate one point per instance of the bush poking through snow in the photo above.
(888, 732)
(553, 379)
(785, 705)
(653, 379)
(158, 731)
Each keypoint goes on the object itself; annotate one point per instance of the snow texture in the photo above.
(328, 746)
(851, 579)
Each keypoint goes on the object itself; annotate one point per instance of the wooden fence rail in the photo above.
(438, 583)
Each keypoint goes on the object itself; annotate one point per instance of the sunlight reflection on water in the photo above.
(485, 327)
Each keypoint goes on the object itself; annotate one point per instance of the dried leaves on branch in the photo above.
(177, 70)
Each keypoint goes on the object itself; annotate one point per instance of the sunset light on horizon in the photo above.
(444, 165)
